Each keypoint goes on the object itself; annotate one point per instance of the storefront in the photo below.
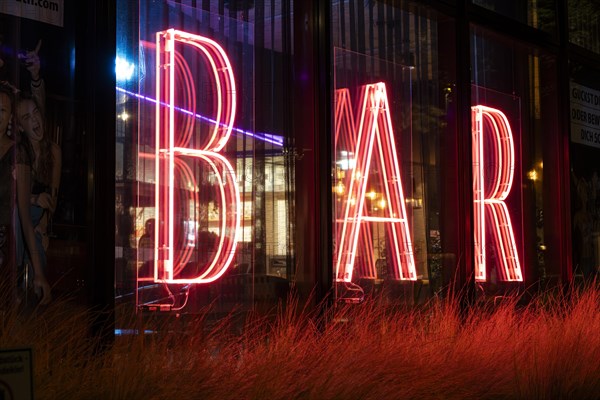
(247, 150)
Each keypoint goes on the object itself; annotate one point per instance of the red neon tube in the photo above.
(172, 146)
(372, 136)
(495, 164)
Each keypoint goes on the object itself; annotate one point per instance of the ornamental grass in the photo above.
(546, 349)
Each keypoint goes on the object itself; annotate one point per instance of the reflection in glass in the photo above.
(194, 165)
(584, 24)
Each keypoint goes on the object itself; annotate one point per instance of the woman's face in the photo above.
(30, 120)
(5, 112)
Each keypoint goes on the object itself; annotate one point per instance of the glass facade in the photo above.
(426, 192)
(257, 149)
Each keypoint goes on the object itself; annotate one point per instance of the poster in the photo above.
(38, 61)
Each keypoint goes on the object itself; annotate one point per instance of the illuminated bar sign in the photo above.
(370, 139)
(172, 147)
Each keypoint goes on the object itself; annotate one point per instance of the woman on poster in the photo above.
(15, 172)
(44, 159)
(45, 162)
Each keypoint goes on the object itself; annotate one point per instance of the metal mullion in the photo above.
(464, 284)
(563, 105)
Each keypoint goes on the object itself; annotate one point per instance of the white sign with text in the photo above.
(585, 115)
(48, 11)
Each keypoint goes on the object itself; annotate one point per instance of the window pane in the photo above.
(204, 189)
(392, 232)
(584, 24)
(515, 163)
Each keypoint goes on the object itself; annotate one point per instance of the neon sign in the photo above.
(370, 139)
(372, 135)
(493, 172)
(173, 146)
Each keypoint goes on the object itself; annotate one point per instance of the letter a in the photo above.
(171, 146)
(374, 137)
(493, 172)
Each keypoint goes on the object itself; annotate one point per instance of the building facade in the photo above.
(244, 150)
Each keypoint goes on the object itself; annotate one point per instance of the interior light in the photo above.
(123, 69)
(532, 175)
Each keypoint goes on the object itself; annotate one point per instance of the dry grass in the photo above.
(549, 349)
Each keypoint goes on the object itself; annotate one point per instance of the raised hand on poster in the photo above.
(31, 61)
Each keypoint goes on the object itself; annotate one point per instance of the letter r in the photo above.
(493, 171)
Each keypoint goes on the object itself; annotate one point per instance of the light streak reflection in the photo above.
(265, 137)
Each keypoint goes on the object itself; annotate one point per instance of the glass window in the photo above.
(585, 184)
(394, 151)
(584, 24)
(203, 185)
(539, 14)
(42, 89)
(515, 155)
